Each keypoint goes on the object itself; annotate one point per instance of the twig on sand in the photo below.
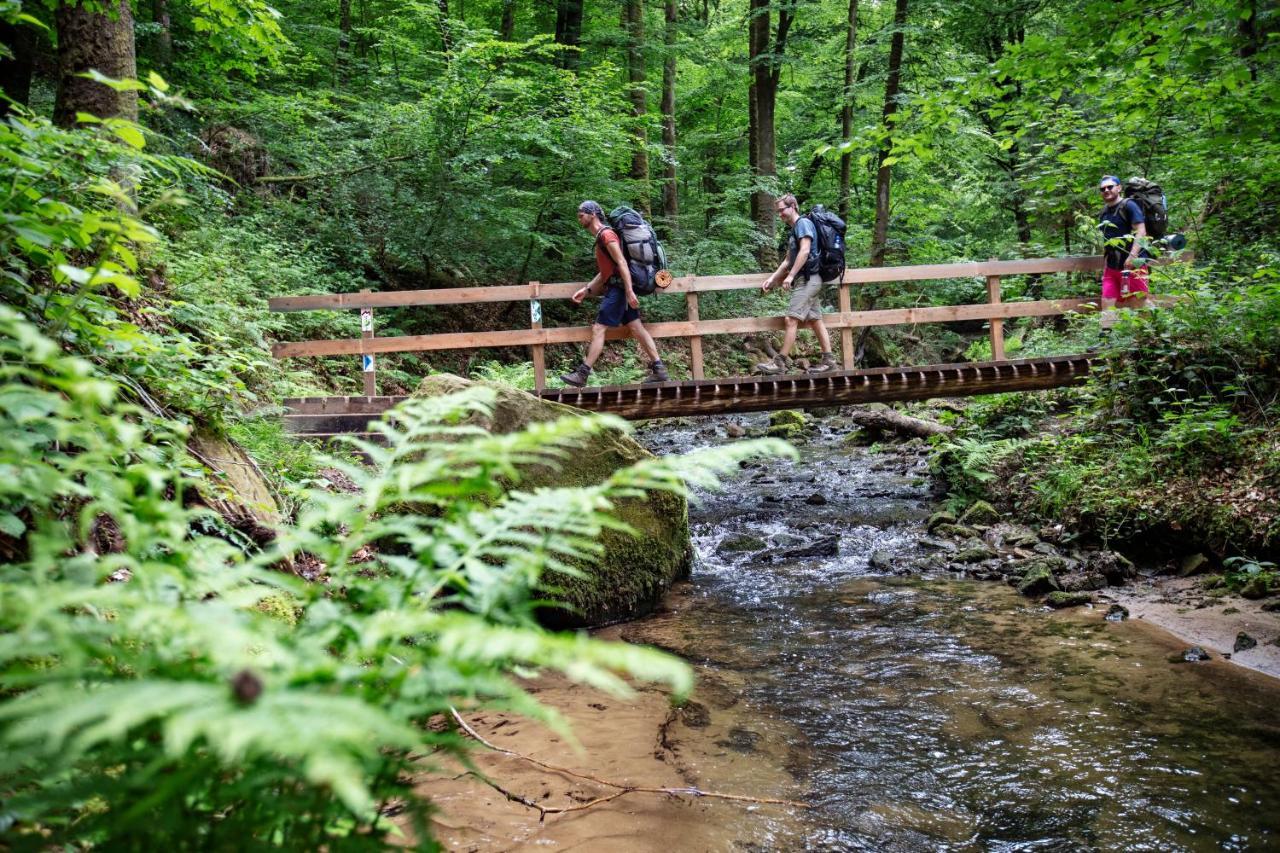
(622, 790)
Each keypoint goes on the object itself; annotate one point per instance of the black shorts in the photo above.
(614, 310)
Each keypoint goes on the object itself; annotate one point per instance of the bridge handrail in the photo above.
(845, 320)
(682, 284)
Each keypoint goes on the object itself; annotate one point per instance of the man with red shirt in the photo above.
(620, 305)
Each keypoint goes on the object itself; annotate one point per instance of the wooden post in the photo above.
(367, 359)
(846, 334)
(997, 326)
(535, 322)
(695, 342)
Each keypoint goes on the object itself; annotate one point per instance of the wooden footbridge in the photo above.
(322, 416)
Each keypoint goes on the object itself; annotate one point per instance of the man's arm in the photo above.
(594, 287)
(1135, 246)
(624, 272)
(777, 274)
(802, 258)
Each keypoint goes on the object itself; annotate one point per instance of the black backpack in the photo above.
(640, 246)
(830, 229)
(1150, 198)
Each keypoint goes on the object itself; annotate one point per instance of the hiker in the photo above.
(800, 267)
(1124, 272)
(620, 305)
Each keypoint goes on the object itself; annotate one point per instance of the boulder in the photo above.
(1112, 565)
(1060, 599)
(825, 546)
(786, 423)
(1037, 577)
(1194, 654)
(1193, 564)
(1082, 581)
(980, 512)
(1256, 587)
(734, 430)
(881, 561)
(956, 531)
(635, 571)
(1117, 613)
(1243, 642)
(739, 543)
(973, 554)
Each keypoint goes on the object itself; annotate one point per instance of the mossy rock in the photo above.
(975, 554)
(787, 424)
(1038, 578)
(940, 517)
(980, 512)
(786, 432)
(235, 488)
(281, 607)
(1067, 599)
(741, 543)
(956, 531)
(1255, 588)
(1194, 564)
(635, 571)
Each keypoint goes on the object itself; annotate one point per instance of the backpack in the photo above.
(830, 229)
(644, 254)
(1150, 198)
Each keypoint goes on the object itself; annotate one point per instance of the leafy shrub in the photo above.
(161, 686)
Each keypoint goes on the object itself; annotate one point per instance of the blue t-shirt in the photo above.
(803, 228)
(1119, 221)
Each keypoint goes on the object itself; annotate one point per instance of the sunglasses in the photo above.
(1105, 187)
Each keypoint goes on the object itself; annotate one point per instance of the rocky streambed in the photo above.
(862, 654)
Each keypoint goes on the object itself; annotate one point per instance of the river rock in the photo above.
(826, 546)
(1060, 599)
(1082, 581)
(881, 561)
(635, 571)
(1117, 613)
(1112, 565)
(1194, 654)
(1255, 588)
(973, 554)
(980, 512)
(1193, 564)
(931, 544)
(1272, 606)
(738, 543)
(1037, 577)
(1243, 642)
(786, 423)
(734, 430)
(816, 499)
(956, 531)
(939, 518)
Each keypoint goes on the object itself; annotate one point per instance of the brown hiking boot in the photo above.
(657, 373)
(580, 376)
(778, 364)
(827, 365)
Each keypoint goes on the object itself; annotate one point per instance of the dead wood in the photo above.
(890, 421)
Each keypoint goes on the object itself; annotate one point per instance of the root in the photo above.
(620, 789)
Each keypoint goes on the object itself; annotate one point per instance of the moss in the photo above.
(635, 570)
(1067, 599)
(980, 512)
(281, 607)
(1037, 578)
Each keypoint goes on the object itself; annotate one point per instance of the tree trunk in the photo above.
(15, 73)
(164, 38)
(507, 29)
(446, 31)
(766, 69)
(569, 31)
(846, 105)
(890, 421)
(670, 199)
(344, 41)
(633, 29)
(880, 236)
(102, 42)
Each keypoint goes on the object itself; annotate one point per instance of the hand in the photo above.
(1128, 262)
(632, 299)
(579, 295)
(786, 282)
(768, 283)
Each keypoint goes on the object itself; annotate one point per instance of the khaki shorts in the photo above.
(805, 299)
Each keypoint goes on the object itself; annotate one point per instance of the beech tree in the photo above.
(91, 40)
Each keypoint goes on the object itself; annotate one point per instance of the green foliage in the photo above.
(163, 686)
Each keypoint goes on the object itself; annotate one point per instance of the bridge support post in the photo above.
(846, 334)
(538, 350)
(997, 326)
(367, 359)
(695, 341)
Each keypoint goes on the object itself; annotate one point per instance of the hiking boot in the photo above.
(657, 373)
(778, 364)
(827, 365)
(580, 376)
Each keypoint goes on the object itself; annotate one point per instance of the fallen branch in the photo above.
(621, 790)
(888, 421)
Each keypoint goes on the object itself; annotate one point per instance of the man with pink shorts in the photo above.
(1124, 272)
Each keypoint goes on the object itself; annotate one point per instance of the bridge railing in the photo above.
(537, 338)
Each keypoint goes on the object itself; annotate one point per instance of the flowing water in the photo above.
(925, 712)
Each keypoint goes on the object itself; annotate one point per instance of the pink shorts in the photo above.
(1114, 282)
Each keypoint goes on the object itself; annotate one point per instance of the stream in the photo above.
(921, 711)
